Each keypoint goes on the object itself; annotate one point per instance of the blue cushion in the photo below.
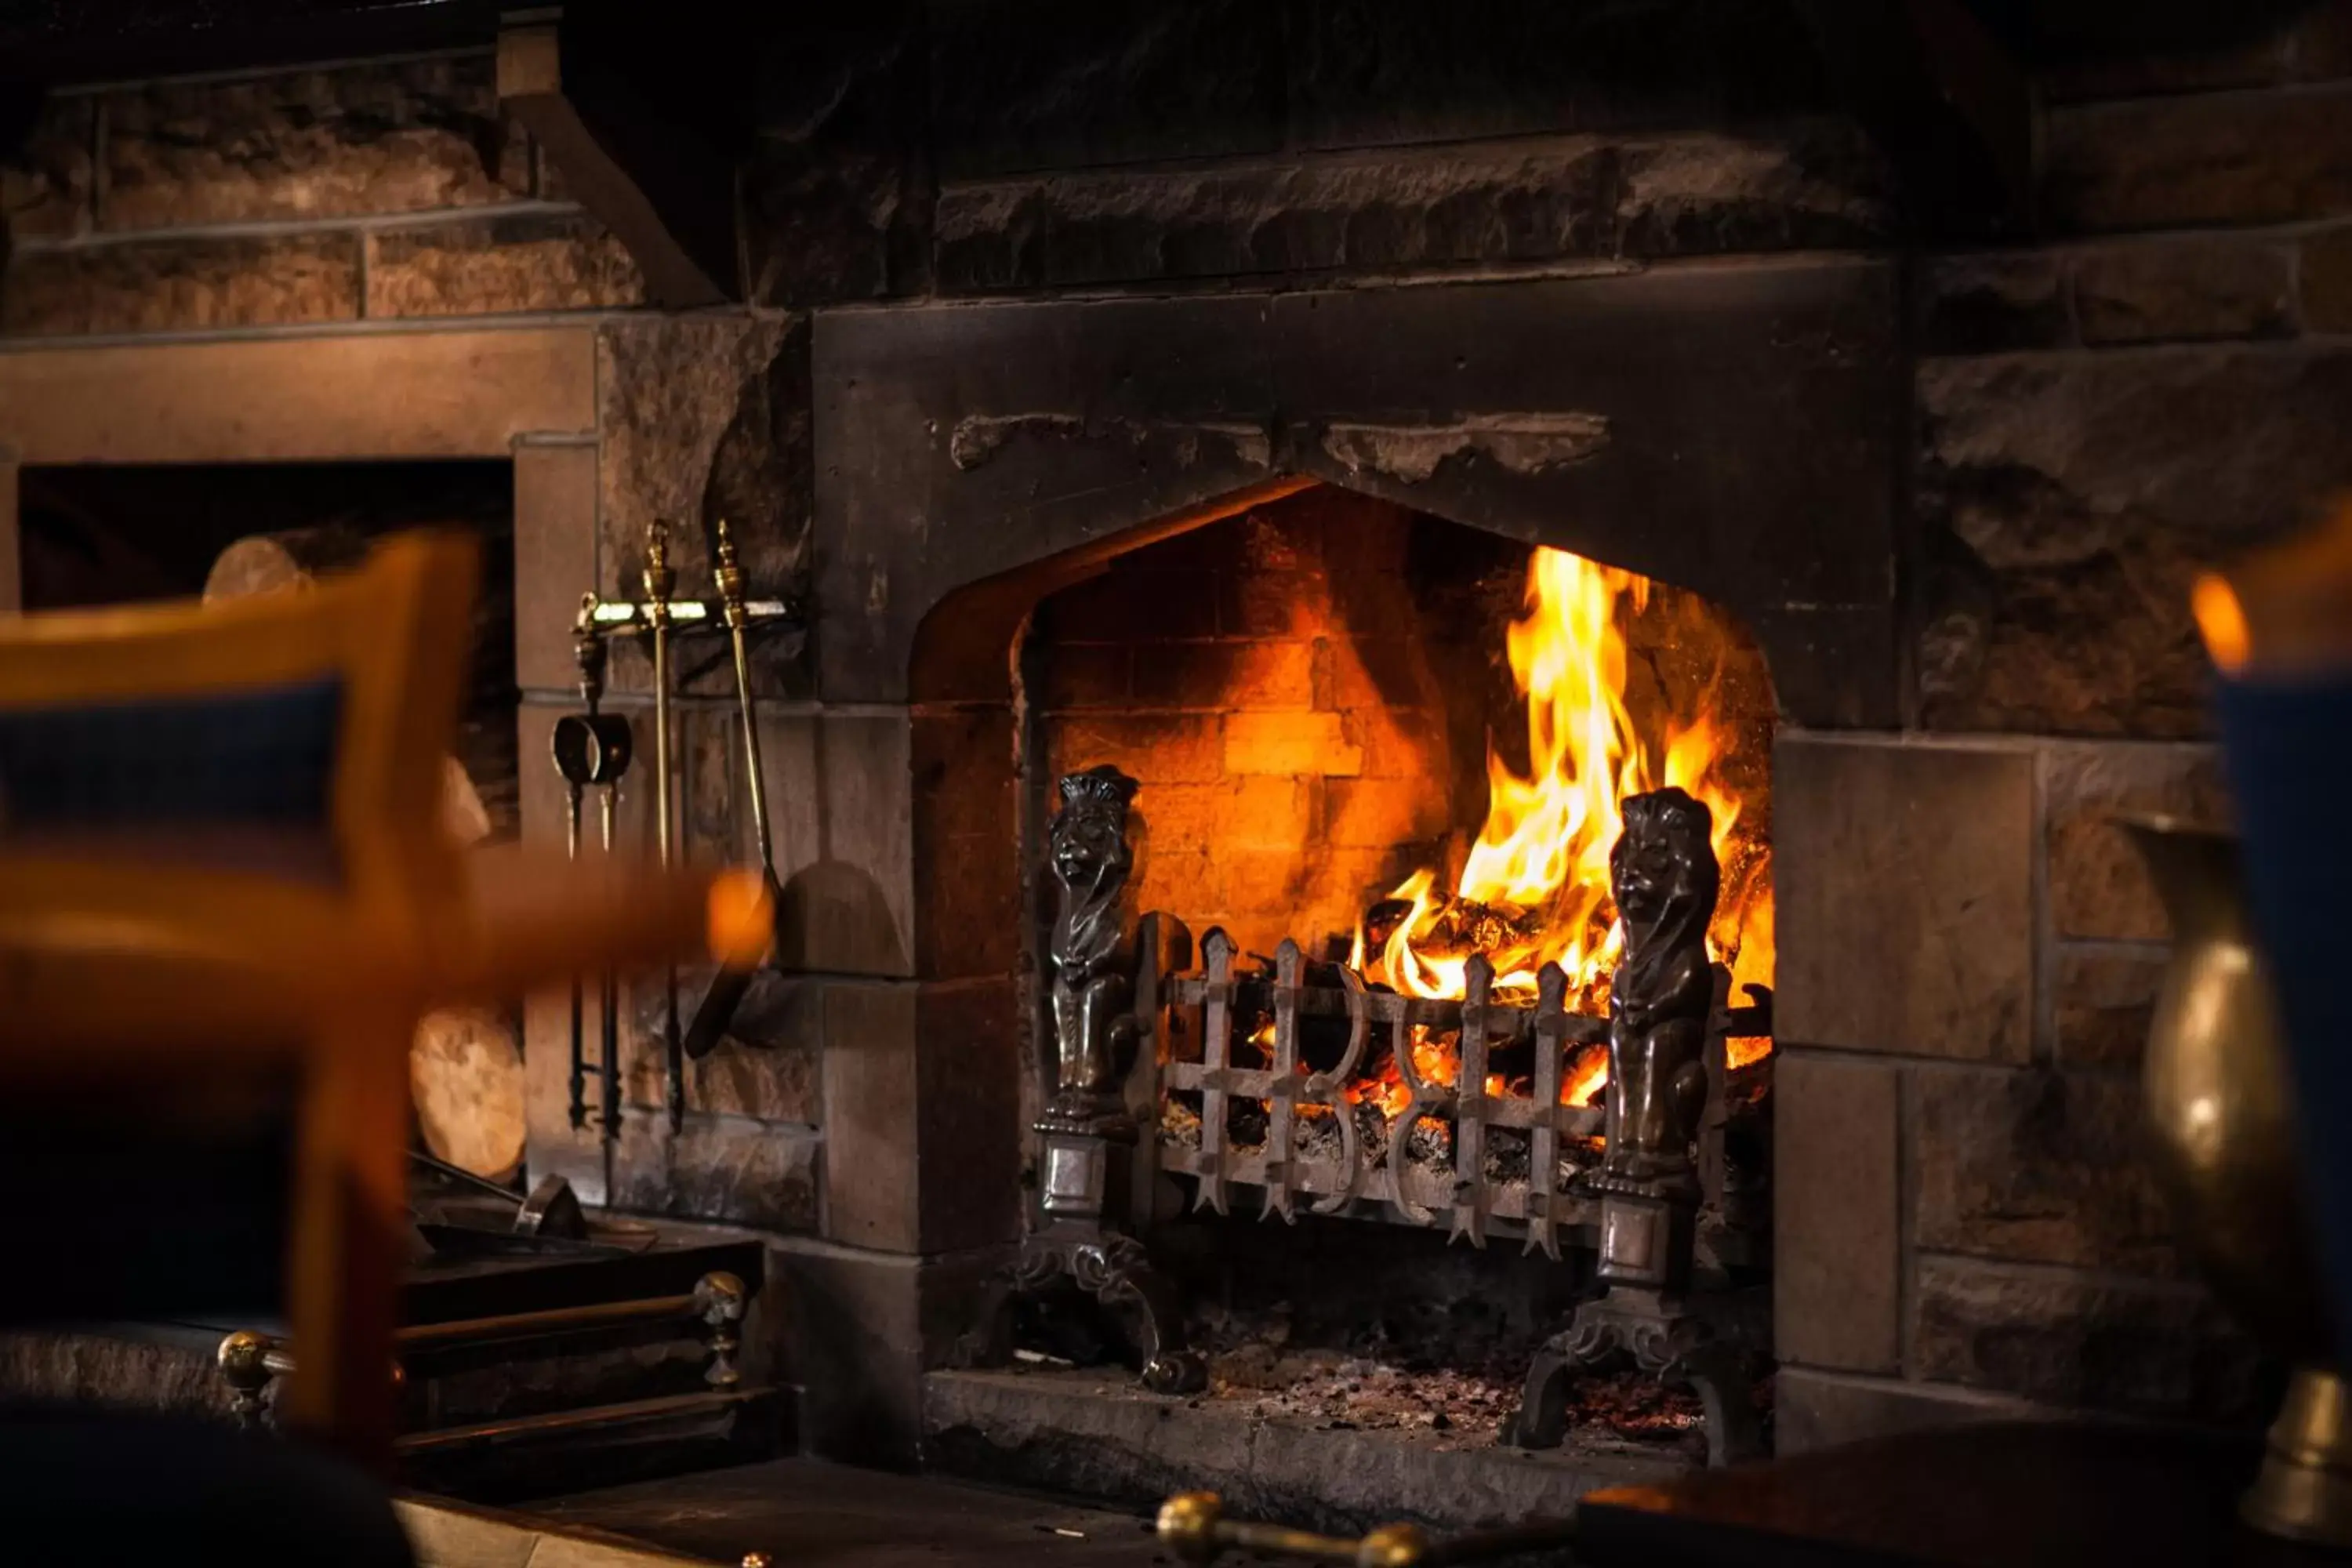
(258, 757)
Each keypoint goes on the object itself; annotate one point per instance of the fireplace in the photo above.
(1333, 597)
(1195, 397)
(1380, 762)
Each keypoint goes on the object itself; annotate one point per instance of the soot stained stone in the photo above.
(2184, 289)
(708, 749)
(707, 417)
(1363, 72)
(1986, 304)
(2070, 501)
(1387, 212)
(1783, 372)
(2226, 158)
(2095, 1343)
(1811, 185)
(2315, 45)
(835, 189)
(2327, 281)
(1837, 1221)
(2036, 1167)
(828, 226)
(919, 1090)
(45, 184)
(721, 1168)
(1071, 82)
(859, 1327)
(1914, 866)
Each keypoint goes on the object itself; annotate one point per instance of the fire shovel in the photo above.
(734, 980)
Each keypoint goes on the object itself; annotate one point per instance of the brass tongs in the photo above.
(728, 987)
(661, 582)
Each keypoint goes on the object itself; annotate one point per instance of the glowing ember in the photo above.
(1534, 887)
(1435, 1061)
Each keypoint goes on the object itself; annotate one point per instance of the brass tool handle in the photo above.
(730, 577)
(661, 580)
(1193, 1526)
(731, 984)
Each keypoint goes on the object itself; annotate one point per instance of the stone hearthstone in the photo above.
(1092, 1434)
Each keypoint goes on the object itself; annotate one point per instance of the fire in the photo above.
(1536, 877)
(1435, 1061)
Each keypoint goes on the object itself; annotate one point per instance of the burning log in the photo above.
(1322, 1036)
(1459, 927)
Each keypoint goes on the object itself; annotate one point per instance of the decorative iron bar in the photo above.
(1389, 1182)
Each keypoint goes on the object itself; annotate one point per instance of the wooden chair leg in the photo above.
(350, 1215)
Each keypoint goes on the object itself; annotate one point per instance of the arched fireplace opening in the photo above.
(1364, 749)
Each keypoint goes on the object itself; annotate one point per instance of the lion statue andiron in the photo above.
(1093, 956)
(1663, 873)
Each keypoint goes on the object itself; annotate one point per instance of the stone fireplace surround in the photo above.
(1727, 428)
(1732, 427)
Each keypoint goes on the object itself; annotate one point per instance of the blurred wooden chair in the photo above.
(226, 899)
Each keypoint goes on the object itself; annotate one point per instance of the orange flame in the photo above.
(1541, 861)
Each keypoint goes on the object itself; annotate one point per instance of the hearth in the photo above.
(1277, 589)
(1401, 776)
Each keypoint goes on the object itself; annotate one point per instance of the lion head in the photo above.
(1088, 841)
(1663, 870)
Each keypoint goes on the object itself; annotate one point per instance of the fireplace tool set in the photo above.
(594, 749)
(1116, 999)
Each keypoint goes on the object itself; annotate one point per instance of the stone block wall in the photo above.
(2161, 383)
(387, 190)
(1965, 1221)
(971, 149)
(1969, 949)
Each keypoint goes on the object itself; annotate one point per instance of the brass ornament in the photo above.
(2221, 1104)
